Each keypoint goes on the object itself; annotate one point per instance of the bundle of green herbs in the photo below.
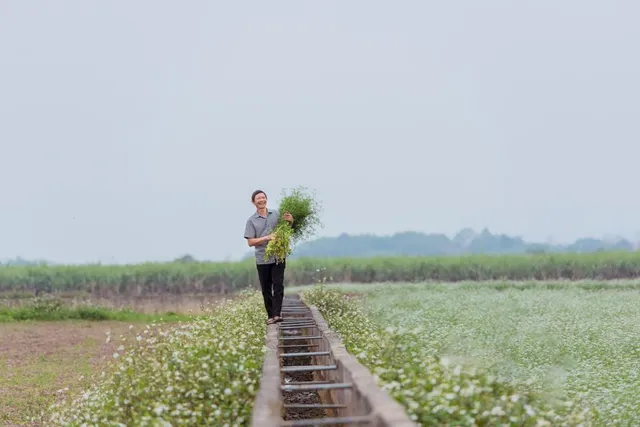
(305, 211)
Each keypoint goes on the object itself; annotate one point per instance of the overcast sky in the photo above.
(137, 130)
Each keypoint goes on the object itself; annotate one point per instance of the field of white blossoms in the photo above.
(203, 372)
(452, 354)
(481, 354)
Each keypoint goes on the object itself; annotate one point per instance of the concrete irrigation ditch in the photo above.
(309, 378)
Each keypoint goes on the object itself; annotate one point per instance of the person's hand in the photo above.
(271, 236)
(288, 217)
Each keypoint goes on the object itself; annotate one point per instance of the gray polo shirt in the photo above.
(260, 226)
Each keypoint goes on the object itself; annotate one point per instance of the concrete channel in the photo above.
(309, 378)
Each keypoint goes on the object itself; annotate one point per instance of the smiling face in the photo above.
(259, 199)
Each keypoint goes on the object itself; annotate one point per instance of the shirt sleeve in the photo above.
(249, 230)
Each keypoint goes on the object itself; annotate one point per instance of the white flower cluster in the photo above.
(202, 372)
(436, 390)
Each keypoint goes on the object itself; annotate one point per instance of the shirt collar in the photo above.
(257, 215)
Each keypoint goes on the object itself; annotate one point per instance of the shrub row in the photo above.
(225, 277)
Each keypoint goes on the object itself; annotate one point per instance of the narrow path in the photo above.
(302, 362)
(309, 378)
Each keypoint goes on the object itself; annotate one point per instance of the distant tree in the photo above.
(22, 261)
(186, 259)
(466, 241)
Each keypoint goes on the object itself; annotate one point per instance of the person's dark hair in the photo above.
(255, 193)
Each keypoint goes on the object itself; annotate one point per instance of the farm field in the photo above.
(38, 359)
(577, 341)
(532, 343)
(50, 347)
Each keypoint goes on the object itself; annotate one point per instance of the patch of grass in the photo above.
(51, 309)
(33, 384)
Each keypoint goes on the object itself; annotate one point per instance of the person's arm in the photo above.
(257, 241)
(250, 235)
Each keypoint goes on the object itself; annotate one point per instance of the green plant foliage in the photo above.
(306, 219)
(223, 277)
(51, 307)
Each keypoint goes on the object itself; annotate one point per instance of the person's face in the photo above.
(260, 201)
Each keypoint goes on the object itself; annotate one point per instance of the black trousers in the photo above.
(272, 282)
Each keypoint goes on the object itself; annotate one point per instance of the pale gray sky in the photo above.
(137, 130)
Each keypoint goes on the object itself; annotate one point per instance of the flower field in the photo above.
(224, 277)
(467, 354)
(527, 354)
(203, 372)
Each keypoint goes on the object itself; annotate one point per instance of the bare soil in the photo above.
(157, 304)
(42, 360)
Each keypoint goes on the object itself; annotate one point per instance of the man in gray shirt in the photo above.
(259, 231)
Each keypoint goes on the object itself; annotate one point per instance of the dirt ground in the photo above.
(37, 359)
(157, 304)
